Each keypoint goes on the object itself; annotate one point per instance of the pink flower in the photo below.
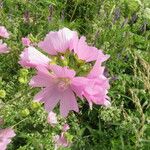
(59, 41)
(60, 141)
(59, 84)
(65, 128)
(3, 48)
(31, 57)
(52, 119)
(99, 84)
(26, 41)
(5, 137)
(3, 32)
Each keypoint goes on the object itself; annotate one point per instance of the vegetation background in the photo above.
(122, 29)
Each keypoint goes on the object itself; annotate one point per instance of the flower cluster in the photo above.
(3, 34)
(63, 139)
(70, 69)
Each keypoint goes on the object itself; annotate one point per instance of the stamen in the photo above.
(63, 83)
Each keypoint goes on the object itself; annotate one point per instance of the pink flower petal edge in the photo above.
(3, 32)
(97, 91)
(31, 57)
(5, 137)
(60, 141)
(85, 52)
(4, 48)
(58, 41)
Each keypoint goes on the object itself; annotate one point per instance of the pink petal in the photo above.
(31, 57)
(107, 103)
(3, 145)
(85, 52)
(80, 81)
(3, 48)
(65, 128)
(40, 96)
(5, 137)
(63, 141)
(62, 72)
(58, 41)
(3, 32)
(7, 133)
(60, 141)
(51, 101)
(50, 96)
(78, 85)
(42, 79)
(98, 70)
(102, 57)
(26, 41)
(68, 102)
(96, 93)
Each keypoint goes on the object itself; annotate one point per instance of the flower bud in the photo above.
(52, 119)
(24, 72)
(2, 93)
(26, 41)
(35, 105)
(22, 80)
(25, 112)
(65, 127)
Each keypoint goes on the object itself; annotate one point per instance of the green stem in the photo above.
(18, 122)
(74, 11)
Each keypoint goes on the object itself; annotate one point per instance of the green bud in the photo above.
(24, 72)
(25, 112)
(2, 93)
(35, 105)
(22, 80)
(65, 62)
(86, 67)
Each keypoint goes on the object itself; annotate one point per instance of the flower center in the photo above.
(63, 83)
(71, 60)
